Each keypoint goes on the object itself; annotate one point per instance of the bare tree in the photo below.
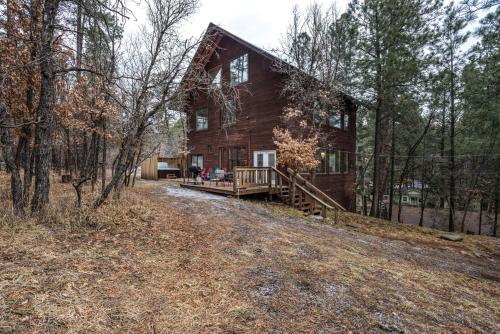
(155, 63)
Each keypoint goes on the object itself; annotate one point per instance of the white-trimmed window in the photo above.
(201, 119)
(239, 70)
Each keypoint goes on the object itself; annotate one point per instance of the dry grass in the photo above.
(158, 264)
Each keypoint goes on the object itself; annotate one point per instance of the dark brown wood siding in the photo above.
(262, 107)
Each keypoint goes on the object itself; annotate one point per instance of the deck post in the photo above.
(323, 212)
(269, 180)
(292, 194)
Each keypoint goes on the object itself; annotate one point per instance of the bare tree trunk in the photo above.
(480, 215)
(44, 111)
(393, 150)
(10, 161)
(104, 155)
(496, 207)
(451, 222)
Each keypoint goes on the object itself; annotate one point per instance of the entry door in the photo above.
(264, 158)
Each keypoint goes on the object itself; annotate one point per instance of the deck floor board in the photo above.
(227, 189)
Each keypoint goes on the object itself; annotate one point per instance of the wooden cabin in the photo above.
(218, 141)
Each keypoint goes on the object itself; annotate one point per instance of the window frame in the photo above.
(197, 156)
(218, 74)
(345, 121)
(323, 164)
(224, 111)
(336, 161)
(338, 120)
(196, 119)
(243, 72)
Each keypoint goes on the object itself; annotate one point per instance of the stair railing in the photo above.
(314, 190)
(295, 188)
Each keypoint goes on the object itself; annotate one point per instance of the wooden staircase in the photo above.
(299, 193)
(290, 187)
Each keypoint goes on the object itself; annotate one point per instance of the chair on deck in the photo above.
(219, 176)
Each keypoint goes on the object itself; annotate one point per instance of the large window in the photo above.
(197, 160)
(239, 70)
(228, 113)
(202, 119)
(332, 161)
(215, 77)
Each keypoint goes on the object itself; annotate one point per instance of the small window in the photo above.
(321, 157)
(215, 77)
(239, 70)
(346, 121)
(202, 119)
(197, 160)
(405, 198)
(334, 119)
(210, 149)
(334, 161)
(228, 113)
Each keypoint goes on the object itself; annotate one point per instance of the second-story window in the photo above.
(239, 69)
(215, 77)
(201, 119)
(346, 121)
(228, 113)
(334, 119)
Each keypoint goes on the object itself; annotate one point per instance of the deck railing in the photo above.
(300, 192)
(314, 190)
(251, 177)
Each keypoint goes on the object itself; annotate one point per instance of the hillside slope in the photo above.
(174, 261)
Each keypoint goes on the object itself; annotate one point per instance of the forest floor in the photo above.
(168, 260)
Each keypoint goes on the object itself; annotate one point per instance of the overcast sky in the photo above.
(260, 22)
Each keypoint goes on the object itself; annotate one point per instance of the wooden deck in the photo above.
(228, 189)
(291, 189)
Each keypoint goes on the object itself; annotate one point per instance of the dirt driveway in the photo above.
(299, 275)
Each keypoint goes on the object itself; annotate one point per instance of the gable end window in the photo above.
(334, 119)
(239, 70)
(202, 119)
(346, 121)
(215, 77)
(228, 113)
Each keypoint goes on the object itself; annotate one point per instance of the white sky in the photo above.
(260, 22)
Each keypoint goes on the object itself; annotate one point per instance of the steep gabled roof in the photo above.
(216, 33)
(215, 28)
(208, 44)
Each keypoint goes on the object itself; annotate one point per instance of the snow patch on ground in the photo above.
(193, 194)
